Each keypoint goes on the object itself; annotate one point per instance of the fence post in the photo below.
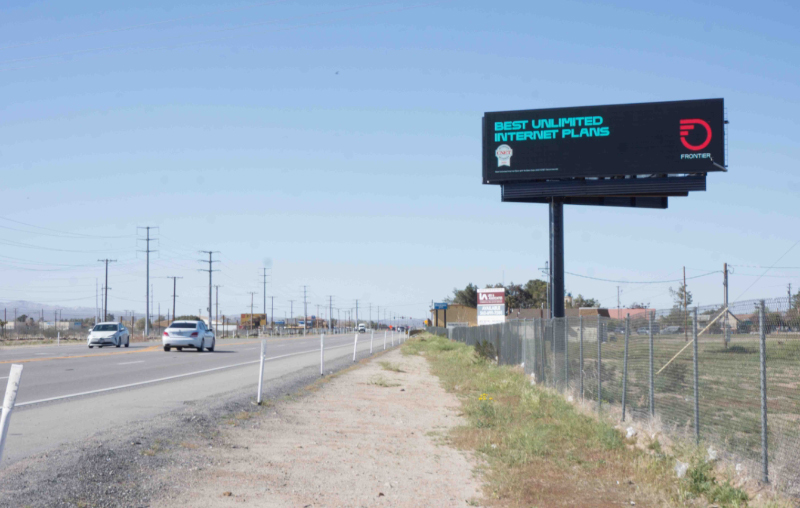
(553, 349)
(580, 321)
(696, 379)
(763, 361)
(566, 353)
(8, 403)
(522, 343)
(625, 366)
(599, 364)
(261, 370)
(322, 355)
(355, 345)
(652, 385)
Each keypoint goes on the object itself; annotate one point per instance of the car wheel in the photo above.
(179, 348)
(119, 343)
(212, 345)
(167, 348)
(200, 348)
(128, 342)
(90, 347)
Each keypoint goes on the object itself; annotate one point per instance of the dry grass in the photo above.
(382, 382)
(391, 367)
(541, 451)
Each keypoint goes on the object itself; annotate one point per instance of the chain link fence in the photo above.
(729, 378)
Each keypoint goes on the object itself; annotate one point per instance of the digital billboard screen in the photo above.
(679, 137)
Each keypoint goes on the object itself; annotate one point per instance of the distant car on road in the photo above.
(109, 334)
(362, 328)
(672, 330)
(193, 334)
(643, 330)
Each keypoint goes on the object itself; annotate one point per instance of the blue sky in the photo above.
(340, 143)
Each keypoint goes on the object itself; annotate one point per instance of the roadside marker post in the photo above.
(322, 355)
(8, 403)
(392, 338)
(384, 340)
(261, 369)
(371, 336)
(355, 344)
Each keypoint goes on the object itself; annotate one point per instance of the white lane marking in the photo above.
(131, 363)
(5, 377)
(178, 376)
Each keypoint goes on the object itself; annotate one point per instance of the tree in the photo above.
(581, 302)
(467, 296)
(22, 318)
(537, 291)
(678, 297)
(637, 305)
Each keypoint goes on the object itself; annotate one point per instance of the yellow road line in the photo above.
(28, 360)
(145, 350)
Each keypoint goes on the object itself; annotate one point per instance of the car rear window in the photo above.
(105, 328)
(183, 325)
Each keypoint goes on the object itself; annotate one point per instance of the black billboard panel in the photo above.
(599, 141)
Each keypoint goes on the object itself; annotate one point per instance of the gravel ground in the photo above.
(370, 437)
(144, 460)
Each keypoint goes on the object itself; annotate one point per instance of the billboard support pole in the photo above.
(557, 257)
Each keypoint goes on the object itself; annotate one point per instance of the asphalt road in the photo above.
(71, 392)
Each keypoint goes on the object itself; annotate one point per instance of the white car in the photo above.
(362, 328)
(193, 334)
(109, 334)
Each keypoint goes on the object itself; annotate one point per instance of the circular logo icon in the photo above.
(504, 153)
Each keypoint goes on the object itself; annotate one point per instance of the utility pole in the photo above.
(105, 300)
(174, 294)
(147, 284)
(370, 315)
(330, 312)
(291, 309)
(216, 314)
(685, 310)
(727, 333)
(546, 272)
(618, 316)
(272, 315)
(305, 310)
(265, 297)
(210, 270)
(356, 323)
(252, 295)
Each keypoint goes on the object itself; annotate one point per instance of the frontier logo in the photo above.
(689, 124)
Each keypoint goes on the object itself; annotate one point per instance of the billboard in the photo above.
(663, 138)
(491, 306)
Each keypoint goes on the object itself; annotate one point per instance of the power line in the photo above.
(642, 282)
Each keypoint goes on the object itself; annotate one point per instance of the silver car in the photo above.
(109, 334)
(193, 334)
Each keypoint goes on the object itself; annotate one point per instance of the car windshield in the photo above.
(188, 326)
(105, 328)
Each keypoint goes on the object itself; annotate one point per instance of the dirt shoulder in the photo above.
(368, 437)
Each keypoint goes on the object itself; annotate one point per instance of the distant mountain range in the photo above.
(34, 310)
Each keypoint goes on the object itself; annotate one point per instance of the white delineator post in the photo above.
(354, 347)
(322, 355)
(8, 404)
(392, 338)
(261, 370)
(384, 340)
(371, 336)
